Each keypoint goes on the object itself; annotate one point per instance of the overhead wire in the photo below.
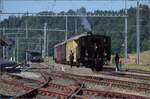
(53, 5)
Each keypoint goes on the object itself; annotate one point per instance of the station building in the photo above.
(3, 43)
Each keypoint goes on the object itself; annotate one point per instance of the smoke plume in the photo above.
(86, 24)
(84, 21)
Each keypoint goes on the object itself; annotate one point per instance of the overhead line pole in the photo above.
(1, 32)
(47, 43)
(138, 33)
(76, 25)
(4, 48)
(66, 34)
(126, 37)
(1, 8)
(44, 45)
(26, 26)
(17, 45)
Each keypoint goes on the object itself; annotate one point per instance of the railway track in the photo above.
(84, 93)
(89, 92)
(79, 93)
(95, 81)
(139, 71)
(110, 71)
(78, 90)
(127, 75)
(134, 74)
(27, 85)
(107, 68)
(91, 81)
(143, 75)
(96, 78)
(46, 89)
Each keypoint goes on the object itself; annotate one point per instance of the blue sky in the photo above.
(64, 5)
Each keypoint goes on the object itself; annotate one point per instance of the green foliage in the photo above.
(113, 27)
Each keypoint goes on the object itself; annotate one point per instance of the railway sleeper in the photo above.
(123, 83)
(29, 94)
(44, 92)
(119, 82)
(128, 85)
(112, 95)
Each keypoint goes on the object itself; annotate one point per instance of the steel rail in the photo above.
(104, 81)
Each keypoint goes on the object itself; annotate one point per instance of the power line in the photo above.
(72, 0)
(64, 15)
(32, 29)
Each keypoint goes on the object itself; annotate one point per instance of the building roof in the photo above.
(6, 63)
(61, 43)
(4, 41)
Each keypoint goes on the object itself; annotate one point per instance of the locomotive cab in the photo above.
(94, 51)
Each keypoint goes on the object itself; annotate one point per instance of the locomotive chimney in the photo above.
(89, 33)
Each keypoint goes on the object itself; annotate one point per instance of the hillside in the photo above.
(113, 27)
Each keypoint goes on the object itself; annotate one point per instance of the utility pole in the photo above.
(17, 45)
(47, 45)
(76, 25)
(45, 36)
(0, 11)
(66, 35)
(14, 54)
(6, 52)
(1, 32)
(1, 8)
(126, 36)
(4, 48)
(138, 33)
(41, 50)
(26, 26)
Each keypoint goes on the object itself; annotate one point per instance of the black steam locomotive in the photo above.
(89, 50)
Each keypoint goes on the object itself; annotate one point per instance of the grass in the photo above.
(144, 62)
(138, 67)
(135, 67)
(144, 57)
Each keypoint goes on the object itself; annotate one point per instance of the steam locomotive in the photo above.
(89, 50)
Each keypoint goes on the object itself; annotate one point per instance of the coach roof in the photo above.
(77, 37)
(72, 38)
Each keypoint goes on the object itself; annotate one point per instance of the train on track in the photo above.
(35, 57)
(89, 50)
(6, 65)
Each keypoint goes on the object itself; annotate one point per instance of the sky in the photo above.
(18, 6)
(65, 5)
